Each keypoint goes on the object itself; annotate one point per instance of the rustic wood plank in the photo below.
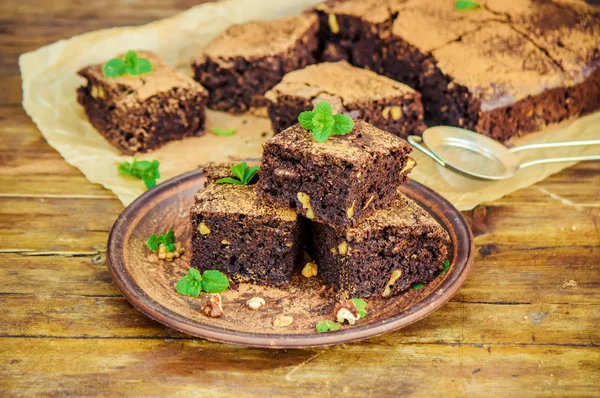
(149, 367)
(461, 323)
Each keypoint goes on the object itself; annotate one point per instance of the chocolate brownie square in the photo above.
(141, 113)
(239, 66)
(338, 182)
(569, 32)
(359, 93)
(385, 254)
(237, 233)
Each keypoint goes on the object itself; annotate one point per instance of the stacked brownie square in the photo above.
(369, 240)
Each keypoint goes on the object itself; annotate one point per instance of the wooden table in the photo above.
(527, 322)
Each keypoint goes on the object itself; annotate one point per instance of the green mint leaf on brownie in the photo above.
(167, 239)
(244, 174)
(417, 286)
(361, 306)
(142, 169)
(191, 284)
(446, 265)
(223, 132)
(323, 123)
(129, 64)
(343, 124)
(464, 5)
(214, 281)
(327, 326)
(305, 119)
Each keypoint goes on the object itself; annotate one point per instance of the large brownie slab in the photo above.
(248, 239)
(385, 254)
(378, 100)
(338, 182)
(141, 113)
(239, 66)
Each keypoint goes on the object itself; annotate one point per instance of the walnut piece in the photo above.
(164, 254)
(255, 303)
(388, 288)
(305, 200)
(333, 24)
(203, 229)
(213, 307)
(310, 270)
(345, 310)
(396, 112)
(343, 248)
(350, 210)
(283, 321)
(98, 92)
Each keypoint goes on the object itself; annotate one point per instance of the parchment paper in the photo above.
(50, 82)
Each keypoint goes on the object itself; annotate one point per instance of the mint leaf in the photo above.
(446, 265)
(322, 125)
(142, 169)
(361, 306)
(249, 174)
(417, 286)
(214, 281)
(223, 132)
(343, 124)
(191, 284)
(305, 119)
(244, 174)
(115, 67)
(129, 64)
(464, 5)
(229, 180)
(153, 242)
(168, 240)
(141, 66)
(323, 108)
(327, 326)
(239, 170)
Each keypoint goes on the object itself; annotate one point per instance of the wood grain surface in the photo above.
(526, 323)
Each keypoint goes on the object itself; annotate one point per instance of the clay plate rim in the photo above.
(451, 218)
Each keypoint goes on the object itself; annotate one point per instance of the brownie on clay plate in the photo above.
(338, 182)
(359, 93)
(385, 254)
(237, 233)
(140, 113)
(239, 66)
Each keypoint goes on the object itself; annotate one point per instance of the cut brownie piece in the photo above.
(385, 254)
(338, 182)
(243, 63)
(141, 113)
(248, 239)
(382, 102)
(356, 31)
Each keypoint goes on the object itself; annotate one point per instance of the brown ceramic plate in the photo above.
(149, 284)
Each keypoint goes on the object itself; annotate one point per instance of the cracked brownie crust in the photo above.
(402, 244)
(141, 113)
(242, 236)
(339, 182)
(244, 62)
(359, 93)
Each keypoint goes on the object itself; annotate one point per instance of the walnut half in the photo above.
(345, 310)
(213, 307)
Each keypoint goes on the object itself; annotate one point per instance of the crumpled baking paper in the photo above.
(50, 81)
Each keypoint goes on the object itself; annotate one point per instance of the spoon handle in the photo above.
(560, 160)
(415, 141)
(554, 145)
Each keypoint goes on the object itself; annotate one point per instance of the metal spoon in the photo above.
(479, 157)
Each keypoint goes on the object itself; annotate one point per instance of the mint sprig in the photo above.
(223, 132)
(323, 123)
(361, 306)
(327, 326)
(129, 64)
(211, 281)
(167, 239)
(142, 169)
(417, 286)
(244, 174)
(464, 5)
